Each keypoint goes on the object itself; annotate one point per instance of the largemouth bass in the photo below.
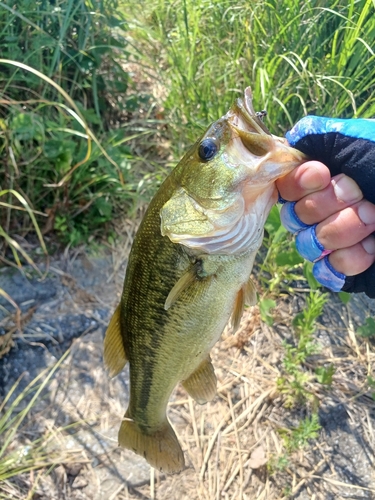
(189, 272)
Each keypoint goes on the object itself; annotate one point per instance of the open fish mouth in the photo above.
(267, 156)
(243, 118)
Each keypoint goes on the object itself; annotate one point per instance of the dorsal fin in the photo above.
(114, 351)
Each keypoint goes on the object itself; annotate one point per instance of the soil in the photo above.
(234, 446)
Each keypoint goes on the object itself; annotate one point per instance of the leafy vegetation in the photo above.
(294, 384)
(78, 48)
(298, 58)
(299, 437)
(368, 329)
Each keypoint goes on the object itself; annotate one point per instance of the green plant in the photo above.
(279, 261)
(294, 439)
(278, 464)
(304, 322)
(265, 307)
(368, 329)
(294, 383)
(46, 153)
(371, 384)
(298, 58)
(325, 374)
(78, 44)
(299, 437)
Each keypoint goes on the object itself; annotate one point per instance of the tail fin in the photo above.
(161, 449)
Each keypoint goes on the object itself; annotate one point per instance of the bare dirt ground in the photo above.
(233, 446)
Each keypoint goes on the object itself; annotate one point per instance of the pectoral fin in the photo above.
(203, 269)
(201, 385)
(114, 351)
(182, 284)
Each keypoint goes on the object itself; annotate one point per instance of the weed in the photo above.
(371, 384)
(304, 322)
(368, 329)
(294, 439)
(279, 261)
(278, 464)
(47, 158)
(265, 307)
(298, 59)
(287, 491)
(299, 437)
(344, 297)
(293, 384)
(325, 374)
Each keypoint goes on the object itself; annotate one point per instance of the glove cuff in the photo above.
(320, 125)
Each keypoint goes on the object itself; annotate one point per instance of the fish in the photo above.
(188, 273)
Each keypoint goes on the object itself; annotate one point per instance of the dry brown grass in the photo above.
(232, 445)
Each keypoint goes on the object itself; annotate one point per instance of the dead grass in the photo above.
(233, 446)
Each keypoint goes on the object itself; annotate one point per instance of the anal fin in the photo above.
(202, 383)
(114, 351)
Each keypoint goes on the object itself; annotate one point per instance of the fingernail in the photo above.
(346, 189)
(369, 245)
(366, 212)
(311, 178)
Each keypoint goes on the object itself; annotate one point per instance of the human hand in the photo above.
(334, 221)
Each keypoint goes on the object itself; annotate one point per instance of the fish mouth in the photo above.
(243, 118)
(267, 157)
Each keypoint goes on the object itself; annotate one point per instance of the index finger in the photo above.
(307, 178)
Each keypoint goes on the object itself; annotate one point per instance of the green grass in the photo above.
(76, 51)
(298, 58)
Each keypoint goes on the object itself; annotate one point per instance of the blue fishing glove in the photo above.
(347, 147)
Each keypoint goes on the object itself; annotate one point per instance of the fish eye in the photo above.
(207, 149)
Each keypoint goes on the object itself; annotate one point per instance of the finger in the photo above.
(347, 227)
(355, 259)
(332, 271)
(340, 193)
(307, 178)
